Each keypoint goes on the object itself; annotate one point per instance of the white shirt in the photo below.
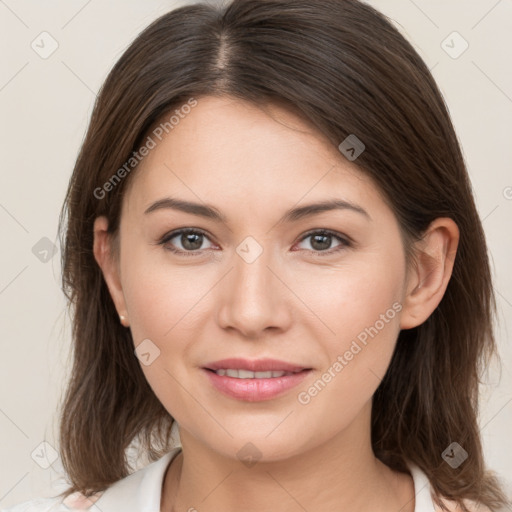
(142, 490)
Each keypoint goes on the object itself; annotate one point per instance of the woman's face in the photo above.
(260, 283)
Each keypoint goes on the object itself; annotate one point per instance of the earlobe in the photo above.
(429, 276)
(103, 254)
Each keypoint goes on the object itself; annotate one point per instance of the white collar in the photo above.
(422, 490)
(141, 491)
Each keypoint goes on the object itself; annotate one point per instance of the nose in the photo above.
(254, 297)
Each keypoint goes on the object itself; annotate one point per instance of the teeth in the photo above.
(246, 374)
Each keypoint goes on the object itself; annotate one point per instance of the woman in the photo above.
(272, 242)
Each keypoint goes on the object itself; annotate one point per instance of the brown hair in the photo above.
(348, 70)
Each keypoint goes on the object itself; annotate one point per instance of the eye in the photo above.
(321, 241)
(191, 241)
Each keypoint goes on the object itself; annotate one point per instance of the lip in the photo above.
(257, 365)
(255, 390)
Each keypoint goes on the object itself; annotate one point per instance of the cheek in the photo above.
(353, 296)
(360, 305)
(165, 301)
(164, 304)
(159, 301)
(357, 359)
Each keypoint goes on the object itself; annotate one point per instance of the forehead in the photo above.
(226, 148)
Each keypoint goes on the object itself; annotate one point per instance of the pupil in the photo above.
(188, 243)
(324, 237)
(192, 241)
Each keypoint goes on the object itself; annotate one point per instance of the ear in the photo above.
(104, 255)
(430, 272)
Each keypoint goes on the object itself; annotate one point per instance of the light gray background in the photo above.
(45, 107)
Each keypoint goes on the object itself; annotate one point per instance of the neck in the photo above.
(341, 474)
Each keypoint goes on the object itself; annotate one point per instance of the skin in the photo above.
(291, 303)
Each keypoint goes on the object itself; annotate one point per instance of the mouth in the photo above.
(263, 380)
(238, 367)
(238, 373)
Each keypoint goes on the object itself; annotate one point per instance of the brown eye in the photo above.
(321, 241)
(189, 242)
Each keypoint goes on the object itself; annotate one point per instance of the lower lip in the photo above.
(255, 390)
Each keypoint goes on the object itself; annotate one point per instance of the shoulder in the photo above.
(126, 495)
(73, 502)
(452, 506)
(34, 505)
(427, 500)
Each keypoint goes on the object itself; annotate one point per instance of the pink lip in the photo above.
(255, 390)
(258, 365)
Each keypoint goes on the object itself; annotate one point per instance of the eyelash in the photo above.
(345, 243)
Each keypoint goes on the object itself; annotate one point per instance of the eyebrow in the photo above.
(293, 215)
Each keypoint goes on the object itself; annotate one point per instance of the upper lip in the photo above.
(256, 365)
